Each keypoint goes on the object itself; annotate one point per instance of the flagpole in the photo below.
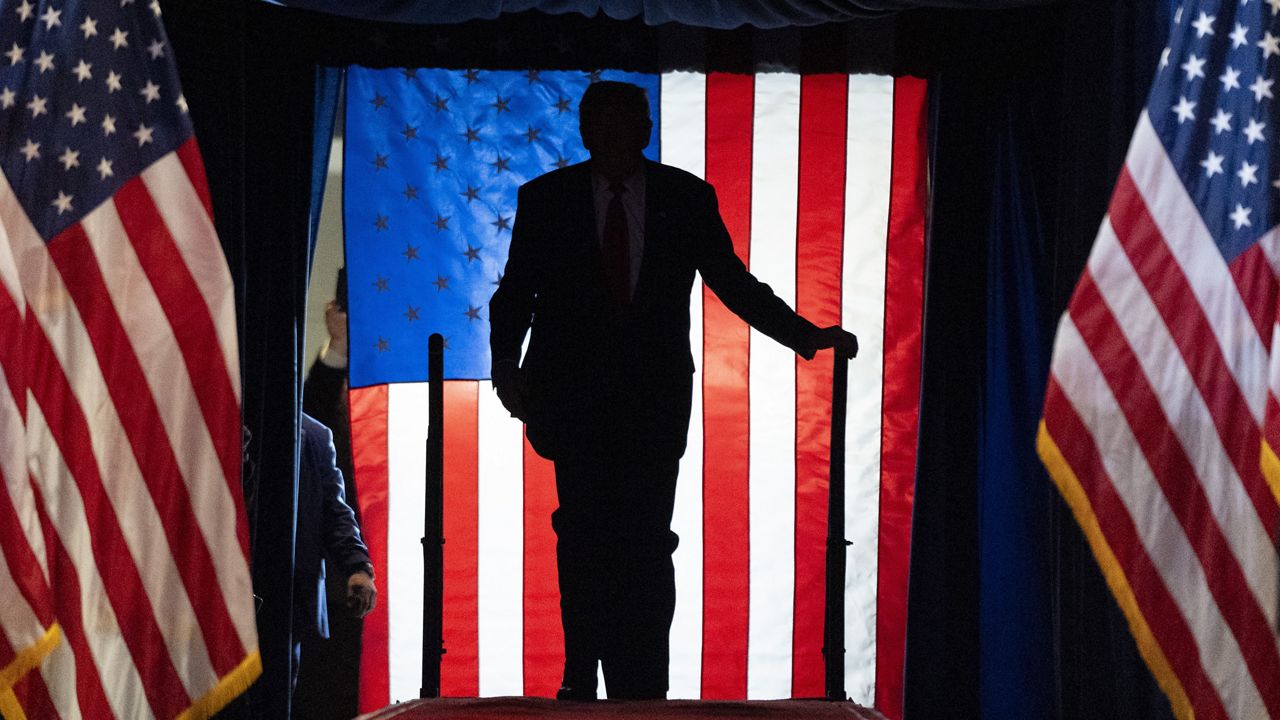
(833, 626)
(433, 525)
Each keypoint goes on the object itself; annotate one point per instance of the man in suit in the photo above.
(327, 540)
(602, 262)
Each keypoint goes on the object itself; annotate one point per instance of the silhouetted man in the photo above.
(602, 262)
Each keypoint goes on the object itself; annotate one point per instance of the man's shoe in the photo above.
(575, 694)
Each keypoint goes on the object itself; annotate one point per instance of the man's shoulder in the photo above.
(556, 179)
(312, 430)
(675, 177)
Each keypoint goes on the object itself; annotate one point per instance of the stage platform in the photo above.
(503, 708)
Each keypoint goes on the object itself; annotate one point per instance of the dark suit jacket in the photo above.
(601, 378)
(326, 530)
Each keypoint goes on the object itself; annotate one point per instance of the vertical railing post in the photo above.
(833, 627)
(433, 524)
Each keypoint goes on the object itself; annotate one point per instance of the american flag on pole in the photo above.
(821, 182)
(1159, 379)
(125, 570)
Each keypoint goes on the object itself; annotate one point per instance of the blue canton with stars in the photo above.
(432, 162)
(89, 97)
(1213, 105)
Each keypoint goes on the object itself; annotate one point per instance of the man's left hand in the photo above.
(845, 342)
(361, 594)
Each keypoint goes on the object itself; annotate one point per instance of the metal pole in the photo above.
(833, 627)
(433, 525)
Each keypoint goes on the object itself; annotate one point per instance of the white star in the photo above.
(24, 11)
(1270, 45)
(1194, 67)
(45, 62)
(70, 158)
(1241, 216)
(31, 150)
(1221, 122)
(63, 202)
(125, 2)
(1247, 174)
(89, 27)
(156, 49)
(119, 39)
(76, 114)
(181, 102)
(1230, 78)
(6, 98)
(1183, 108)
(1253, 131)
(1204, 24)
(150, 91)
(37, 106)
(113, 81)
(1238, 37)
(1212, 165)
(51, 18)
(143, 134)
(15, 54)
(82, 70)
(1177, 16)
(1275, 7)
(108, 125)
(1164, 56)
(104, 169)
(155, 7)
(1262, 88)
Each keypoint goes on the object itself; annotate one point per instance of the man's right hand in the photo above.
(512, 388)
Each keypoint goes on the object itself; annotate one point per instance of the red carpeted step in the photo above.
(518, 708)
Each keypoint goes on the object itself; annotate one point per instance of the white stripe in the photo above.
(1203, 265)
(122, 480)
(500, 541)
(867, 177)
(1189, 417)
(165, 371)
(772, 391)
(406, 470)
(9, 279)
(683, 145)
(1162, 537)
(1270, 244)
(193, 233)
(18, 621)
(120, 679)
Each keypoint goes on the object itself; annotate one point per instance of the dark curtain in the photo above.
(722, 14)
(1009, 615)
(1030, 114)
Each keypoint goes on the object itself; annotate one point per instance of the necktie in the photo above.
(617, 247)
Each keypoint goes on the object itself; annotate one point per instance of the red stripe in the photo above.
(140, 418)
(460, 668)
(10, 354)
(1181, 487)
(193, 329)
(120, 577)
(824, 103)
(1193, 333)
(66, 606)
(726, 424)
(543, 635)
(368, 410)
(24, 567)
(1272, 428)
(1257, 285)
(33, 696)
(189, 155)
(900, 404)
(1157, 606)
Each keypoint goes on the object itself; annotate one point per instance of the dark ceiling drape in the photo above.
(721, 14)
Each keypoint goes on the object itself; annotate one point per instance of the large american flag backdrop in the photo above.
(124, 578)
(821, 181)
(1159, 380)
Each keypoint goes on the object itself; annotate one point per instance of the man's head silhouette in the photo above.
(614, 120)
